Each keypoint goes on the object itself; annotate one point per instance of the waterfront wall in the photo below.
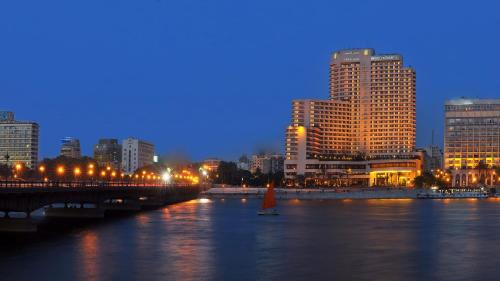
(315, 194)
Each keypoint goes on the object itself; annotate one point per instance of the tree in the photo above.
(482, 170)
(427, 180)
(5, 171)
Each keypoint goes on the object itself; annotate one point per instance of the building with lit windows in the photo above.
(365, 133)
(108, 152)
(70, 147)
(136, 154)
(472, 141)
(266, 163)
(211, 164)
(18, 141)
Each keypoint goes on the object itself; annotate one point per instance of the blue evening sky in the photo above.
(216, 78)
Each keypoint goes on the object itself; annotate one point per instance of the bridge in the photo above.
(84, 199)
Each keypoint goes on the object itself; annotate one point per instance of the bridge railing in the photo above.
(80, 184)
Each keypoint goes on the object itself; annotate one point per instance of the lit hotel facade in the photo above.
(365, 133)
(472, 135)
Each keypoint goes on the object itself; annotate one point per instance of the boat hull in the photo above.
(268, 212)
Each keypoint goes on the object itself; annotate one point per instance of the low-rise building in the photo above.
(136, 154)
(211, 164)
(267, 163)
(70, 147)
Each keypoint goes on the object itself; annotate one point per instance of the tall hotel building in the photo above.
(18, 141)
(365, 133)
(472, 135)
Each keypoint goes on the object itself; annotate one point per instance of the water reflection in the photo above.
(310, 240)
(89, 257)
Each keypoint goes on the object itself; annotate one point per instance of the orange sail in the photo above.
(269, 199)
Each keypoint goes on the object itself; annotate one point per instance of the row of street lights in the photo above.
(92, 172)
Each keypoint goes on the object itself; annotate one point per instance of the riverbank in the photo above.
(315, 194)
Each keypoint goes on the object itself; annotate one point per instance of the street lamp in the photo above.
(41, 169)
(77, 172)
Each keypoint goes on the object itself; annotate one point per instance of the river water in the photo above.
(311, 240)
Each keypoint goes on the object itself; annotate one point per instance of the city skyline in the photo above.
(140, 73)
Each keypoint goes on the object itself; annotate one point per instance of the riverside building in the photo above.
(472, 141)
(108, 152)
(18, 141)
(365, 133)
(136, 154)
(266, 163)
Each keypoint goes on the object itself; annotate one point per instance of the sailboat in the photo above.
(269, 203)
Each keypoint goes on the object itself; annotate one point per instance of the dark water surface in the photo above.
(310, 240)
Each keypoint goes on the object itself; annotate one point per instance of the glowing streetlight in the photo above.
(60, 170)
(41, 169)
(77, 172)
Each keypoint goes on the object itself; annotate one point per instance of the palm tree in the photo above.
(482, 170)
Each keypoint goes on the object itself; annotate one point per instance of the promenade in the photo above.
(315, 194)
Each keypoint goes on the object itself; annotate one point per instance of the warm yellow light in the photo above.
(91, 166)
(77, 171)
(108, 168)
(113, 174)
(103, 173)
(60, 170)
(19, 166)
(90, 172)
(41, 169)
(143, 172)
(136, 176)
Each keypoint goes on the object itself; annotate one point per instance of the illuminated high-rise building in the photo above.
(18, 141)
(367, 128)
(381, 95)
(472, 141)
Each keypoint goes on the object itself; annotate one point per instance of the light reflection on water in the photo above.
(311, 240)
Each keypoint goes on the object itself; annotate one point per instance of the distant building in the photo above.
(211, 164)
(243, 163)
(267, 163)
(471, 138)
(136, 154)
(433, 158)
(18, 141)
(108, 152)
(70, 147)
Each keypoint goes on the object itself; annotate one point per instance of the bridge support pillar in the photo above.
(82, 213)
(17, 225)
(129, 206)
